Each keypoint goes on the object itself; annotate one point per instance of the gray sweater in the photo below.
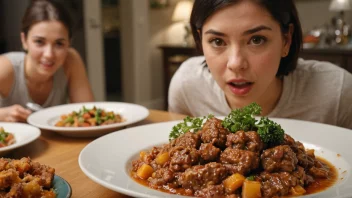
(19, 92)
(316, 91)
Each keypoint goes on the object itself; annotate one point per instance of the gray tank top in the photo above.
(19, 92)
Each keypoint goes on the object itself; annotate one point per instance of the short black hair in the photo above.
(283, 11)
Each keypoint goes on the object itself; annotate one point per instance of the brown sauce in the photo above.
(322, 184)
(317, 186)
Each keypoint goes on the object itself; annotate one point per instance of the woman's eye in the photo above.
(39, 42)
(217, 42)
(257, 40)
(60, 44)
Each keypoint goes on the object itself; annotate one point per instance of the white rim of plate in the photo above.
(144, 112)
(141, 193)
(17, 144)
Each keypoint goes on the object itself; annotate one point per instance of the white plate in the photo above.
(107, 160)
(46, 118)
(24, 134)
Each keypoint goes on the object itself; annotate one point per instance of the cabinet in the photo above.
(174, 55)
(338, 56)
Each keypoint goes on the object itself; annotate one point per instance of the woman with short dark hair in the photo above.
(251, 50)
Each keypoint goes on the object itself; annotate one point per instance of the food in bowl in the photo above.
(25, 178)
(238, 156)
(86, 117)
(6, 138)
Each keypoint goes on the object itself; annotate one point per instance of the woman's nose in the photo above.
(237, 60)
(48, 52)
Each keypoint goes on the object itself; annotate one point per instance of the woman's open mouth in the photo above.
(240, 88)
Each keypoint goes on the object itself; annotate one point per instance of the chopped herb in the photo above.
(69, 119)
(251, 178)
(270, 132)
(3, 135)
(242, 119)
(188, 124)
(97, 115)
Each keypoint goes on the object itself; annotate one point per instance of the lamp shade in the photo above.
(182, 11)
(339, 5)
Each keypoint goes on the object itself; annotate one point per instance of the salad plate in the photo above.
(23, 134)
(48, 117)
(108, 159)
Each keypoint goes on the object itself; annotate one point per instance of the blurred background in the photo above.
(132, 47)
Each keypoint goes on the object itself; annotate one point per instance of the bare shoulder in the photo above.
(6, 75)
(6, 69)
(73, 61)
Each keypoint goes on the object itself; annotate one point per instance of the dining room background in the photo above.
(132, 34)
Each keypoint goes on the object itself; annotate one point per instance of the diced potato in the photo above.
(145, 171)
(143, 156)
(251, 189)
(310, 152)
(162, 158)
(233, 182)
(297, 190)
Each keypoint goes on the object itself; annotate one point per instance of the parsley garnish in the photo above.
(188, 124)
(242, 119)
(269, 131)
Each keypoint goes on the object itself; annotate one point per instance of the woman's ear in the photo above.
(287, 40)
(24, 41)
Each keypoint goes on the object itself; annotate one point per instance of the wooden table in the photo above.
(62, 153)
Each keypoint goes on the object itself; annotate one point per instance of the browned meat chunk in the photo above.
(213, 132)
(245, 140)
(303, 178)
(161, 177)
(304, 160)
(8, 177)
(277, 184)
(208, 152)
(22, 165)
(183, 158)
(16, 191)
(211, 191)
(239, 161)
(279, 158)
(188, 139)
(201, 176)
(45, 173)
(319, 170)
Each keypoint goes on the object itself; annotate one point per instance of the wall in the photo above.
(162, 31)
(314, 13)
(11, 24)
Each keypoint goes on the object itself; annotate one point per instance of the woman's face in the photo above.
(47, 44)
(243, 45)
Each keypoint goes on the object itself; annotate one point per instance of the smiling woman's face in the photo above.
(243, 45)
(47, 44)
